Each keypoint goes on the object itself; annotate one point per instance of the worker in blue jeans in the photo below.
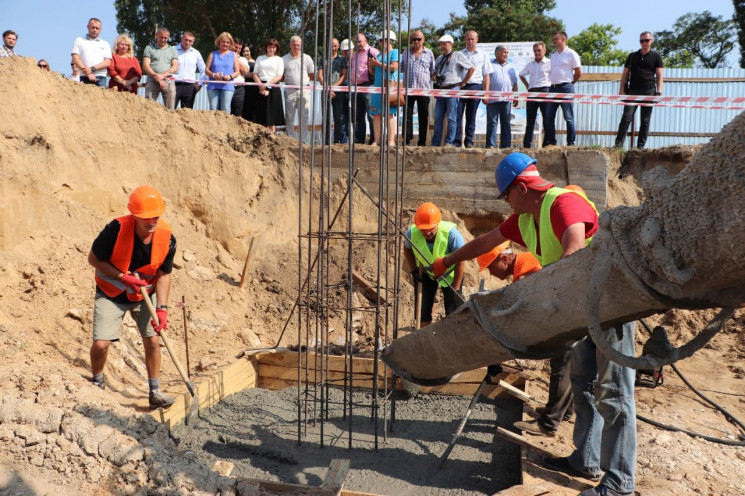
(605, 428)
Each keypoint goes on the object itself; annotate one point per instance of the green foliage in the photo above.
(739, 20)
(701, 38)
(596, 45)
(505, 20)
(254, 21)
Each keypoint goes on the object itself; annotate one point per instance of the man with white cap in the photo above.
(553, 223)
(448, 66)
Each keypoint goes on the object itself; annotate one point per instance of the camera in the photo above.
(439, 78)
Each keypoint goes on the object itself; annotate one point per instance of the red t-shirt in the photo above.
(126, 68)
(566, 210)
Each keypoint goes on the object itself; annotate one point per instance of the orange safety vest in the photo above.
(122, 255)
(525, 264)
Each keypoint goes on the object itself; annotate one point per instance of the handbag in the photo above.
(397, 97)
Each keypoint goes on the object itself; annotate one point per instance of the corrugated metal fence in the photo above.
(603, 119)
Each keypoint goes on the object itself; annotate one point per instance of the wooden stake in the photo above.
(248, 260)
(186, 336)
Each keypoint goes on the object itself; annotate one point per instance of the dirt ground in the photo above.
(70, 155)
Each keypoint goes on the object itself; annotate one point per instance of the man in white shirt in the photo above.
(448, 67)
(538, 70)
(499, 109)
(566, 69)
(190, 62)
(299, 70)
(92, 55)
(479, 81)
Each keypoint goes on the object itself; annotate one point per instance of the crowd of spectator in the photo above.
(239, 85)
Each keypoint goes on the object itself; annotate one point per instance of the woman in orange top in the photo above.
(124, 68)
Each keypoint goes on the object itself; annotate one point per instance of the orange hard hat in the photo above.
(427, 216)
(145, 202)
(574, 187)
(487, 258)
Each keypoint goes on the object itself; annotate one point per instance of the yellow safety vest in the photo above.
(551, 249)
(438, 250)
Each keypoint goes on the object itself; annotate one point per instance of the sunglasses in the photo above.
(645, 40)
(416, 39)
(43, 66)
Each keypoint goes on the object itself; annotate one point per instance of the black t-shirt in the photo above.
(642, 70)
(103, 248)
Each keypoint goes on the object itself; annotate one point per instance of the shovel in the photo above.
(193, 409)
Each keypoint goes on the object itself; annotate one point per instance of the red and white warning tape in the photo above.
(701, 102)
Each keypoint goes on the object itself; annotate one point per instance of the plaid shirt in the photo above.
(6, 52)
(419, 71)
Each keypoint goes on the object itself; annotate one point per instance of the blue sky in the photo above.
(47, 28)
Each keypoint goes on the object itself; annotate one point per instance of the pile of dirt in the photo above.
(69, 156)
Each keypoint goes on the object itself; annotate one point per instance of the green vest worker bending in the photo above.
(432, 239)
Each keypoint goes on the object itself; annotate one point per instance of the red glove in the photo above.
(439, 268)
(162, 314)
(132, 282)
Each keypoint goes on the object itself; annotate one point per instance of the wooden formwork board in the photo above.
(279, 370)
(235, 377)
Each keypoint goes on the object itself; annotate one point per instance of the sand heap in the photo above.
(69, 156)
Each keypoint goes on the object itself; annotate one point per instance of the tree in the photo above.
(740, 22)
(596, 45)
(507, 20)
(703, 37)
(254, 21)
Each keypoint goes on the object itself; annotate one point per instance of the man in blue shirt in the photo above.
(502, 78)
(190, 62)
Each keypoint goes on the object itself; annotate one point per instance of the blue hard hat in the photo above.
(509, 168)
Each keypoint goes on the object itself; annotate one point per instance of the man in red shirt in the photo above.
(553, 223)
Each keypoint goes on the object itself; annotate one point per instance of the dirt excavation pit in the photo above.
(257, 431)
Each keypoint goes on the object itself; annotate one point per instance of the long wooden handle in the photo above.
(176, 362)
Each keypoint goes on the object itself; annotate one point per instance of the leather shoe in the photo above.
(561, 464)
(603, 490)
(534, 427)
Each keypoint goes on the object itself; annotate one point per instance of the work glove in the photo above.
(439, 268)
(132, 282)
(415, 276)
(162, 314)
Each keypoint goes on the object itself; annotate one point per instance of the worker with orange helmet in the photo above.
(427, 240)
(132, 252)
(502, 262)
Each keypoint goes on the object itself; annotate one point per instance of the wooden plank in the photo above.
(236, 377)
(336, 475)
(332, 485)
(290, 359)
(290, 374)
(520, 441)
(368, 289)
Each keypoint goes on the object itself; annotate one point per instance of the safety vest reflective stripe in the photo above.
(551, 249)
(426, 257)
(121, 257)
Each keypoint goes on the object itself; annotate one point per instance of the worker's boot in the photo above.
(603, 490)
(160, 400)
(534, 427)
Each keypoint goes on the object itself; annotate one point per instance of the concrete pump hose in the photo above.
(599, 279)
